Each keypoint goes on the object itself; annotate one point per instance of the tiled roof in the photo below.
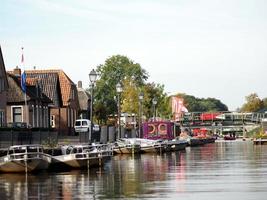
(65, 83)
(31, 81)
(15, 94)
(2, 68)
(49, 82)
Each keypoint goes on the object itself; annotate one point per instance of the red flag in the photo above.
(178, 108)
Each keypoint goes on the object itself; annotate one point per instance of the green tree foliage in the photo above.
(153, 90)
(253, 103)
(264, 102)
(115, 69)
(120, 69)
(130, 94)
(194, 104)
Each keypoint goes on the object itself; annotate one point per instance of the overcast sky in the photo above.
(205, 48)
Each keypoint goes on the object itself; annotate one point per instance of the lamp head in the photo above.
(118, 87)
(154, 101)
(92, 76)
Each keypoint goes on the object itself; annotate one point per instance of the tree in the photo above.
(264, 100)
(116, 69)
(194, 104)
(253, 103)
(153, 90)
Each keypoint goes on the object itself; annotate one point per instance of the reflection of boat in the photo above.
(125, 146)
(228, 137)
(80, 156)
(178, 145)
(24, 158)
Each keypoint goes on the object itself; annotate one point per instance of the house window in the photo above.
(2, 118)
(52, 121)
(17, 114)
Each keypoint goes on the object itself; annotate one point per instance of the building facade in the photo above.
(64, 96)
(29, 109)
(3, 90)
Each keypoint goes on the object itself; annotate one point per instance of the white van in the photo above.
(84, 125)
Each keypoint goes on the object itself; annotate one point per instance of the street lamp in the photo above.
(92, 78)
(141, 97)
(154, 101)
(119, 90)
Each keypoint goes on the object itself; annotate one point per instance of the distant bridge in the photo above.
(223, 118)
(222, 121)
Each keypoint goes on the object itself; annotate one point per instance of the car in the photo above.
(84, 125)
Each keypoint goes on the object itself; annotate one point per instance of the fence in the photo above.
(10, 136)
(50, 138)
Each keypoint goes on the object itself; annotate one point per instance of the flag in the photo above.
(178, 108)
(23, 75)
(23, 82)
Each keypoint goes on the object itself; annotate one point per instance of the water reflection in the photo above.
(222, 170)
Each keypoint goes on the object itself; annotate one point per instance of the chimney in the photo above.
(80, 84)
(17, 71)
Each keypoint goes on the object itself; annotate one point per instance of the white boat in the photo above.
(126, 146)
(24, 158)
(81, 156)
(150, 146)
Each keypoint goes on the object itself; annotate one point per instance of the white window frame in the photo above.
(53, 121)
(22, 110)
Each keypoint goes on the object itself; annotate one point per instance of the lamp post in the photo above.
(92, 78)
(141, 97)
(154, 101)
(119, 90)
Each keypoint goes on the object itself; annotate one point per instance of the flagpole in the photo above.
(25, 95)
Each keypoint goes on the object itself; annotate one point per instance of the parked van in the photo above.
(84, 125)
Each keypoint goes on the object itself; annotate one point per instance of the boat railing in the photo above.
(25, 155)
(95, 151)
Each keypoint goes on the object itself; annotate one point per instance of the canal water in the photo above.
(222, 170)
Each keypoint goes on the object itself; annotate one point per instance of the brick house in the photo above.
(30, 108)
(64, 96)
(3, 90)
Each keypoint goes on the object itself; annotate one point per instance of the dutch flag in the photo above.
(23, 75)
(23, 82)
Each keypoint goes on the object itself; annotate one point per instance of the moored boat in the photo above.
(24, 158)
(151, 146)
(126, 146)
(81, 156)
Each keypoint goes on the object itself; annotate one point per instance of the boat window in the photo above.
(32, 149)
(10, 151)
(19, 150)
